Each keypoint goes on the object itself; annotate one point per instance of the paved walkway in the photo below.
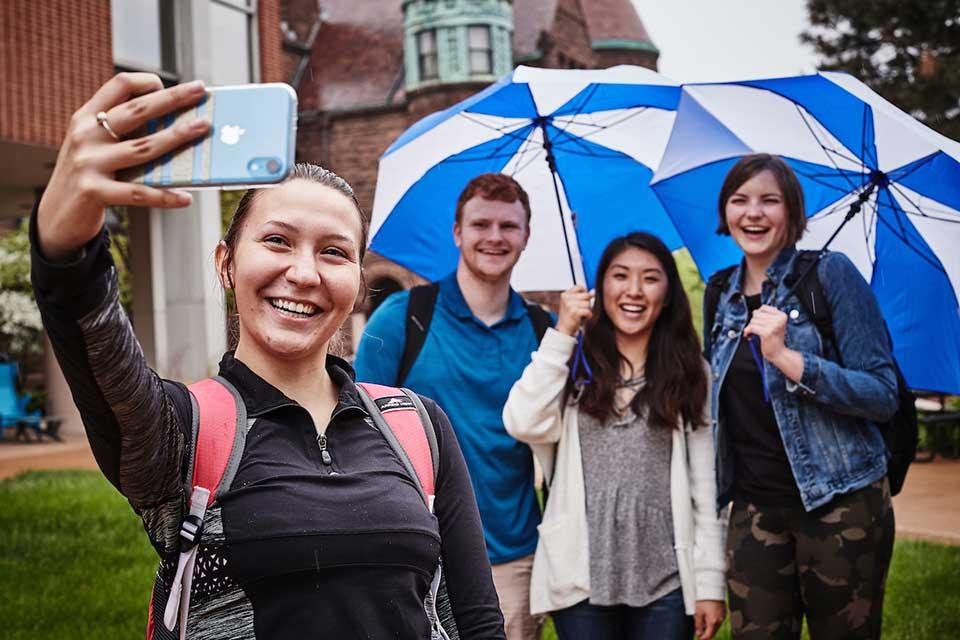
(17, 456)
(927, 508)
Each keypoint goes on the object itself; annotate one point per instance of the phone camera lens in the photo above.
(273, 166)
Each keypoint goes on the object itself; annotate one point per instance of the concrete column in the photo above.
(178, 303)
(59, 399)
(178, 311)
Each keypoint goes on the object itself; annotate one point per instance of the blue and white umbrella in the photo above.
(605, 130)
(845, 143)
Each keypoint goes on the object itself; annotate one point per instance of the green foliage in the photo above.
(15, 259)
(908, 52)
(19, 318)
(120, 251)
(693, 285)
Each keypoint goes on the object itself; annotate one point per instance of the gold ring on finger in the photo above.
(102, 119)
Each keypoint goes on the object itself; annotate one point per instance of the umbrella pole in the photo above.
(876, 178)
(580, 357)
(552, 163)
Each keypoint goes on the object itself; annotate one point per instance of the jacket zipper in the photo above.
(325, 456)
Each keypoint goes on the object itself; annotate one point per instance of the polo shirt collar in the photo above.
(452, 298)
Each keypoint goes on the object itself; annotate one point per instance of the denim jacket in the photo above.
(827, 419)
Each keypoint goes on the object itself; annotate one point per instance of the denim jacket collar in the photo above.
(776, 272)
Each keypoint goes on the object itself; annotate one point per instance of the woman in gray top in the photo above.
(630, 545)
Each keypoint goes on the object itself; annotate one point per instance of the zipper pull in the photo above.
(324, 454)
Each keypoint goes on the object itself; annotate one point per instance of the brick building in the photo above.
(53, 56)
(365, 71)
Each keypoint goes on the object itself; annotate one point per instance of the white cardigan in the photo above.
(561, 565)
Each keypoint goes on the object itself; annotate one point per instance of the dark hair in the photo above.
(493, 186)
(749, 166)
(676, 383)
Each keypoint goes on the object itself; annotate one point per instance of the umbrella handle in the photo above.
(580, 361)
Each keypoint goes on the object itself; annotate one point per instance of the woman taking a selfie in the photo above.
(811, 529)
(322, 533)
(630, 545)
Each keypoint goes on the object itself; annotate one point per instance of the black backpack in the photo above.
(900, 433)
(420, 307)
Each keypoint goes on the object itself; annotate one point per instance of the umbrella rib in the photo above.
(593, 154)
(502, 129)
(823, 183)
(599, 127)
(574, 140)
(919, 211)
(905, 172)
(505, 141)
(902, 236)
(527, 147)
(826, 151)
(533, 158)
(870, 230)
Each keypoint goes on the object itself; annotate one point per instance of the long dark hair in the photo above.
(676, 383)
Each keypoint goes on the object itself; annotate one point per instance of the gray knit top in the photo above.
(626, 472)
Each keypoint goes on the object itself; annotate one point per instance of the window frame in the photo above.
(488, 50)
(169, 70)
(422, 56)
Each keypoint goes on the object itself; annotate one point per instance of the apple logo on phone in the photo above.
(230, 134)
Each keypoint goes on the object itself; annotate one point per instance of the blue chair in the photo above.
(13, 406)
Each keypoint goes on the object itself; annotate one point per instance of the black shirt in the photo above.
(307, 549)
(762, 472)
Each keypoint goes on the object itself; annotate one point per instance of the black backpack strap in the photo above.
(423, 299)
(711, 299)
(540, 319)
(809, 291)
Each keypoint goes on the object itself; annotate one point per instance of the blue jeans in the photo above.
(663, 619)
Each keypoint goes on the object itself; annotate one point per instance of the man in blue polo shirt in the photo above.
(479, 340)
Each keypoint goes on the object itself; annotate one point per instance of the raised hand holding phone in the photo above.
(134, 137)
(84, 180)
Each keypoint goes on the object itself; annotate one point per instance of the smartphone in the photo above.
(251, 142)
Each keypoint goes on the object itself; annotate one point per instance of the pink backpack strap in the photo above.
(219, 434)
(404, 422)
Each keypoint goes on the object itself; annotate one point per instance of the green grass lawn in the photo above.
(75, 563)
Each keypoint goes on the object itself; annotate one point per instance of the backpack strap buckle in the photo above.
(190, 530)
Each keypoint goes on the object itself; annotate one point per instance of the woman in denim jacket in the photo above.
(798, 452)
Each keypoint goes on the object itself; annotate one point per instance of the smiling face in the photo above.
(491, 235)
(756, 215)
(295, 270)
(635, 287)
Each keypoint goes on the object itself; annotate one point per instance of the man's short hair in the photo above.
(493, 186)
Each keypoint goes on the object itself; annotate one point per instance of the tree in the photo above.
(908, 52)
(19, 317)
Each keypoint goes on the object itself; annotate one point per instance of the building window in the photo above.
(230, 42)
(481, 54)
(143, 36)
(427, 53)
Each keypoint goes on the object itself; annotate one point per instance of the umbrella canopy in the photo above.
(606, 130)
(843, 140)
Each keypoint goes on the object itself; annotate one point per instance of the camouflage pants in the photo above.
(829, 564)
